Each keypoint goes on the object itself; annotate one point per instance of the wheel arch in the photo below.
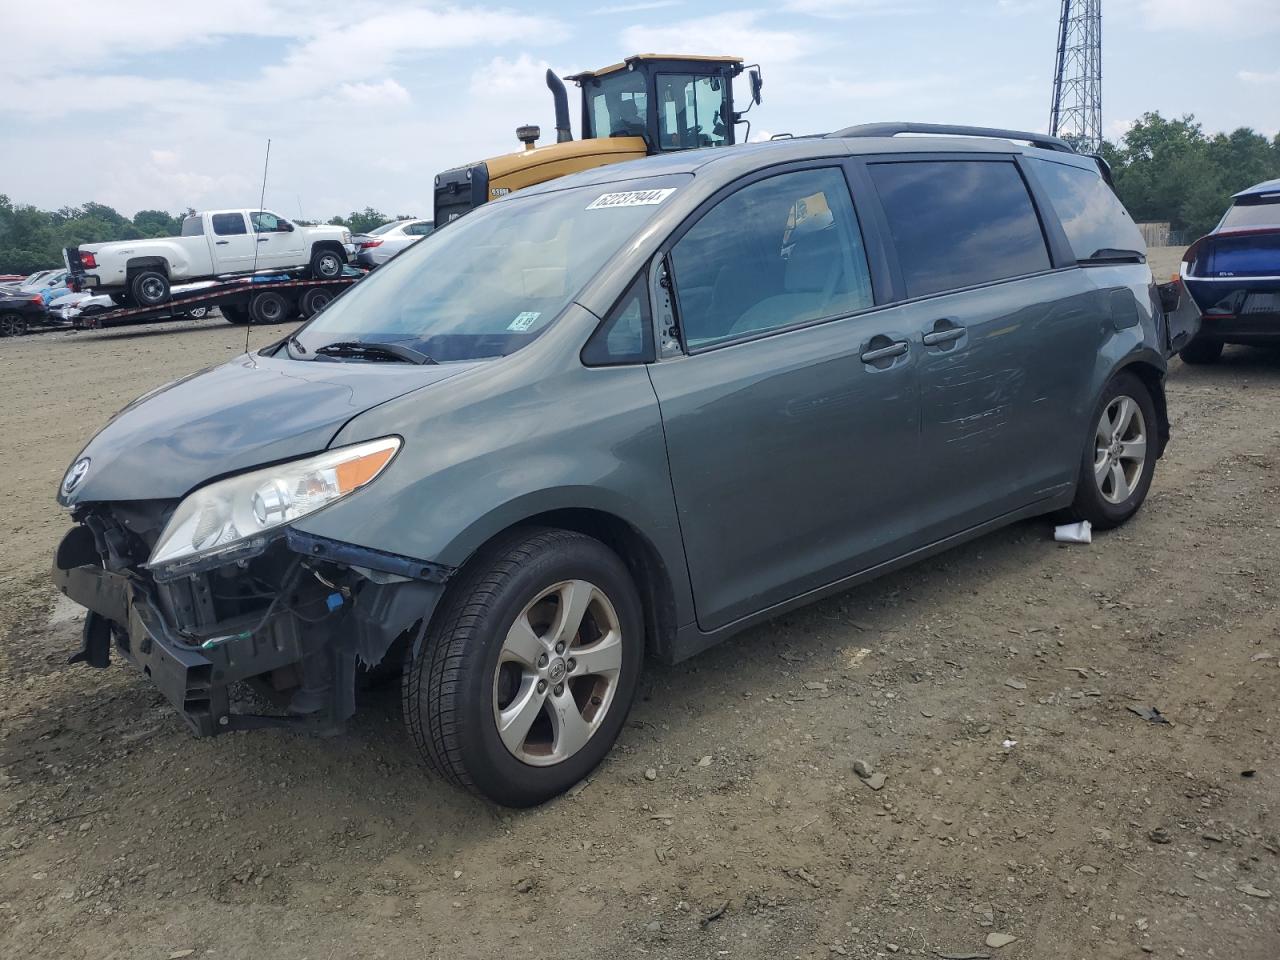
(1152, 375)
(133, 264)
(334, 245)
(651, 575)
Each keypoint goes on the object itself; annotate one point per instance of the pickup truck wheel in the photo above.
(314, 300)
(327, 264)
(268, 307)
(149, 288)
(234, 313)
(12, 324)
(528, 668)
(1120, 457)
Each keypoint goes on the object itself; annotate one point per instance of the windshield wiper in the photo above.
(373, 350)
(1114, 255)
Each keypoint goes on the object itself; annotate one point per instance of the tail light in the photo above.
(88, 261)
(367, 244)
(37, 299)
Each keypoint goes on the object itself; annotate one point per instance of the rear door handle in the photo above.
(895, 349)
(263, 239)
(221, 243)
(943, 336)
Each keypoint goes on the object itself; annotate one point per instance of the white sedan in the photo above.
(376, 247)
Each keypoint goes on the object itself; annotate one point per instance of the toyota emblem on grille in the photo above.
(75, 475)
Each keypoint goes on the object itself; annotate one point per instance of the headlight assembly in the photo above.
(232, 518)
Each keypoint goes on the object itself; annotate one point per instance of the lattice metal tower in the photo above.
(1076, 113)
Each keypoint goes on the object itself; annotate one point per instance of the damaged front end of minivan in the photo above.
(218, 588)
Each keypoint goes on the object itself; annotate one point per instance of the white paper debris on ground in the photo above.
(1010, 743)
(1081, 532)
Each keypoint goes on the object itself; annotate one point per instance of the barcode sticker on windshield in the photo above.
(524, 321)
(632, 198)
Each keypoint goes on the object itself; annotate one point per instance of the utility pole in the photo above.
(1076, 111)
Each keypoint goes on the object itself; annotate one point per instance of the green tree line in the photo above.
(1165, 169)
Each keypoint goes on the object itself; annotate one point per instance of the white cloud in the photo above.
(1253, 76)
(732, 33)
(847, 9)
(636, 7)
(374, 94)
(1223, 17)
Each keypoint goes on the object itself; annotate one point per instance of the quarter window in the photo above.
(957, 223)
(1092, 215)
(228, 224)
(778, 252)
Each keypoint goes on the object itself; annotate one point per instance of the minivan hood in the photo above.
(251, 411)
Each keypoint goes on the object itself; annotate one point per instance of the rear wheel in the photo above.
(327, 264)
(235, 313)
(12, 324)
(1120, 457)
(120, 299)
(314, 300)
(1201, 351)
(198, 313)
(268, 307)
(529, 667)
(149, 287)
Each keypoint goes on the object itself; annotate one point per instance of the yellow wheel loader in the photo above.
(647, 104)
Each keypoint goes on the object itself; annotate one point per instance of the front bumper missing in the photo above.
(279, 652)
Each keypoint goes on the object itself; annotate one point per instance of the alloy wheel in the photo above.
(1120, 449)
(557, 673)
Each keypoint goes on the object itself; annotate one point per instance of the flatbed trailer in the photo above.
(241, 301)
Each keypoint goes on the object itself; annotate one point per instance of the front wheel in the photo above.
(1120, 457)
(12, 324)
(327, 264)
(529, 667)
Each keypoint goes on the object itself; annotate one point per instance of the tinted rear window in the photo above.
(956, 223)
(1092, 215)
(228, 224)
(1253, 212)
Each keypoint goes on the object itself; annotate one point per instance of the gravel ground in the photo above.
(991, 686)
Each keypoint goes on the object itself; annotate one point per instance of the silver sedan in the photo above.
(378, 246)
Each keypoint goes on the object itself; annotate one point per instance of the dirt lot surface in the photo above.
(990, 685)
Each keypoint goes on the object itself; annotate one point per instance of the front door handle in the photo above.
(221, 243)
(895, 349)
(944, 331)
(263, 239)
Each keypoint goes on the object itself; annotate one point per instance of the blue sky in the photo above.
(140, 104)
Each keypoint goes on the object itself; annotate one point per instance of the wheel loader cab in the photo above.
(673, 103)
(644, 105)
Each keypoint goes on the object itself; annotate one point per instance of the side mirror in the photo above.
(286, 226)
(757, 82)
(1170, 296)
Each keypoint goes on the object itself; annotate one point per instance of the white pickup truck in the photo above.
(213, 244)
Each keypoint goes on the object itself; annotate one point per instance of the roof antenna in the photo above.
(261, 199)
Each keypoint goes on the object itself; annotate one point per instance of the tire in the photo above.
(149, 287)
(12, 324)
(198, 313)
(314, 300)
(327, 264)
(1201, 351)
(268, 307)
(468, 672)
(1113, 484)
(120, 299)
(235, 313)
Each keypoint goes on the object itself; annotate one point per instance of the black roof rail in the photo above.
(1042, 140)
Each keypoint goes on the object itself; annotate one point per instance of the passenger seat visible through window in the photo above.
(779, 252)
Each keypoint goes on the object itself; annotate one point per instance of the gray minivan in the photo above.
(629, 412)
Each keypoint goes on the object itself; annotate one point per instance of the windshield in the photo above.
(1249, 212)
(618, 105)
(497, 278)
(378, 231)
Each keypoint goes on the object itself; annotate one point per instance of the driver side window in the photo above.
(264, 222)
(782, 251)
